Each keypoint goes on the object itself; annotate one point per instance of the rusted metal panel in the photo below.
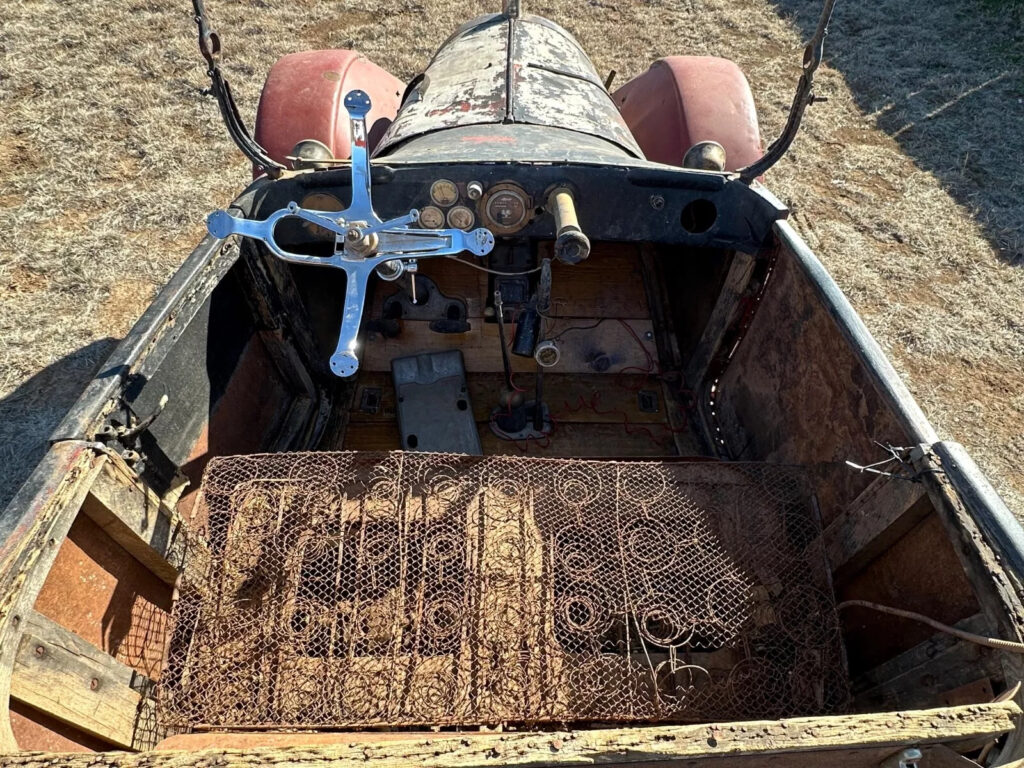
(554, 83)
(497, 70)
(463, 85)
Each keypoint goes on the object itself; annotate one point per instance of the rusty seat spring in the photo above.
(406, 589)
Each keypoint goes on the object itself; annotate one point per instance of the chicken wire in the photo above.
(357, 589)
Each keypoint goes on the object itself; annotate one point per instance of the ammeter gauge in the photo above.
(444, 192)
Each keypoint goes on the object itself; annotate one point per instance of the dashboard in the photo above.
(636, 203)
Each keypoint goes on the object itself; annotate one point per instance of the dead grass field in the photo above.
(908, 182)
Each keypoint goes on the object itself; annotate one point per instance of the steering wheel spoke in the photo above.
(363, 242)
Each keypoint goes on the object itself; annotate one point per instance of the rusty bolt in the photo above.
(557, 744)
(40, 651)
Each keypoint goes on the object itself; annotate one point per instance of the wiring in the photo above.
(571, 328)
(493, 271)
(990, 642)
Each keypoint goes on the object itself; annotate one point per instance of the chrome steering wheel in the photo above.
(363, 242)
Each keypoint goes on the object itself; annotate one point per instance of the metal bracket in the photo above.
(363, 242)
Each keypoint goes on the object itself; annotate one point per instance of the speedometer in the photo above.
(506, 208)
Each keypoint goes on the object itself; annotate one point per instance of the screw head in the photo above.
(657, 202)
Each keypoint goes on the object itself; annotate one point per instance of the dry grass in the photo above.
(907, 182)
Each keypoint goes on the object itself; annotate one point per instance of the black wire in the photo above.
(564, 331)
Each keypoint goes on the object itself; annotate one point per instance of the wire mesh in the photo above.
(357, 589)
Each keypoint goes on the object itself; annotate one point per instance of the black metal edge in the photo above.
(1002, 530)
(885, 378)
(108, 383)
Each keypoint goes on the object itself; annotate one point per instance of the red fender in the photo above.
(303, 99)
(681, 100)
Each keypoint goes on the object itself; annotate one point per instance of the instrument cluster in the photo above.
(503, 208)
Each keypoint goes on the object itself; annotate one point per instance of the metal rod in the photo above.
(499, 313)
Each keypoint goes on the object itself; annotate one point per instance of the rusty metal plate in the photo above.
(354, 589)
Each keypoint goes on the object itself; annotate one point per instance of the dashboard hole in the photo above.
(698, 216)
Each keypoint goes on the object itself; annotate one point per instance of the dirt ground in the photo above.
(908, 182)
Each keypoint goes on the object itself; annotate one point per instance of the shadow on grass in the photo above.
(946, 80)
(30, 413)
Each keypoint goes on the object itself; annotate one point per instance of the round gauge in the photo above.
(444, 192)
(460, 217)
(431, 218)
(506, 208)
(320, 201)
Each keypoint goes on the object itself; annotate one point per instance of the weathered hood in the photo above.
(497, 70)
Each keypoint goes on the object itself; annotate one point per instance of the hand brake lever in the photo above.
(363, 242)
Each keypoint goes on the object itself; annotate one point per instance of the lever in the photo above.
(571, 245)
(364, 243)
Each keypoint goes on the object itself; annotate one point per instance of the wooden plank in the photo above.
(131, 513)
(48, 504)
(75, 682)
(481, 349)
(722, 316)
(884, 512)
(615, 746)
(372, 436)
(613, 399)
(610, 279)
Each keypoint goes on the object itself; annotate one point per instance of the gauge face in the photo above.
(506, 208)
(320, 201)
(460, 217)
(431, 218)
(444, 192)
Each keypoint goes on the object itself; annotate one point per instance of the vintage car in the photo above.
(504, 419)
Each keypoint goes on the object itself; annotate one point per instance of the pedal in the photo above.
(434, 411)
